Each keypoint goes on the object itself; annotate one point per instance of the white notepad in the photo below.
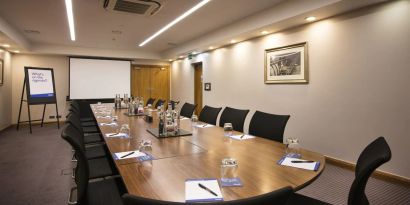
(108, 124)
(287, 161)
(194, 192)
(204, 126)
(133, 155)
(116, 135)
(242, 137)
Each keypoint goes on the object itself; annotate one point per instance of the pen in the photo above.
(113, 134)
(205, 125)
(207, 189)
(127, 155)
(242, 136)
(302, 161)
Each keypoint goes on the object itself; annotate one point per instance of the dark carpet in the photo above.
(35, 169)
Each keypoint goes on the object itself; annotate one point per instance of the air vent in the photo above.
(140, 7)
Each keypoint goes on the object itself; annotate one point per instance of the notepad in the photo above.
(204, 126)
(242, 137)
(120, 155)
(107, 116)
(287, 161)
(122, 135)
(194, 193)
(108, 124)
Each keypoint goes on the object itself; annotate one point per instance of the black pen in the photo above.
(205, 125)
(302, 161)
(127, 155)
(242, 136)
(207, 189)
(112, 134)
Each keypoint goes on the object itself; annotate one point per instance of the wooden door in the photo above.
(198, 87)
(150, 81)
(160, 83)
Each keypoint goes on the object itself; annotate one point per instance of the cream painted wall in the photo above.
(60, 66)
(358, 89)
(5, 91)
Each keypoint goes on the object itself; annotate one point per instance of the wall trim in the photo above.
(382, 175)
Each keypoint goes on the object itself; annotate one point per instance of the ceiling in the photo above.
(43, 24)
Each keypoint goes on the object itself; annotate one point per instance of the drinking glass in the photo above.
(125, 129)
(145, 145)
(194, 119)
(293, 146)
(229, 168)
(228, 129)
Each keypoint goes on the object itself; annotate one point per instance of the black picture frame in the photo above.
(207, 86)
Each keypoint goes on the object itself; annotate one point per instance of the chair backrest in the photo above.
(187, 110)
(150, 101)
(235, 116)
(159, 103)
(82, 170)
(174, 103)
(268, 126)
(278, 197)
(74, 120)
(374, 155)
(209, 114)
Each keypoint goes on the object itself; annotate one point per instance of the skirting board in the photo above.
(385, 176)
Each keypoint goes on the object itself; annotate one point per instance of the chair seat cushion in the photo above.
(92, 138)
(99, 167)
(105, 192)
(95, 152)
(88, 124)
(92, 129)
(299, 199)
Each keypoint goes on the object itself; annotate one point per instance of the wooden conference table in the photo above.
(199, 156)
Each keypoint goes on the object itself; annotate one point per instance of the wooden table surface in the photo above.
(199, 156)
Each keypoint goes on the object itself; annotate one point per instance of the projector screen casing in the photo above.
(99, 78)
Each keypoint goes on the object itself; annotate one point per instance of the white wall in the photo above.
(358, 89)
(5, 91)
(60, 66)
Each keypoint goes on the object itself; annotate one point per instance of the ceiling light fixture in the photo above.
(264, 32)
(310, 18)
(211, 47)
(70, 17)
(233, 41)
(175, 21)
(181, 56)
(6, 45)
(169, 59)
(1, 50)
(16, 51)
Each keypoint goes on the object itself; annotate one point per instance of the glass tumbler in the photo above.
(194, 120)
(228, 129)
(229, 168)
(293, 147)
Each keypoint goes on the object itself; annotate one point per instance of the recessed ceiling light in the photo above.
(175, 21)
(211, 47)
(233, 41)
(181, 56)
(169, 59)
(16, 51)
(264, 32)
(1, 50)
(70, 17)
(6, 45)
(194, 53)
(310, 18)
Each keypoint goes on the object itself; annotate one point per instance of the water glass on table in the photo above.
(194, 119)
(228, 129)
(229, 168)
(293, 147)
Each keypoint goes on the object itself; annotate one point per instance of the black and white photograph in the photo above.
(286, 64)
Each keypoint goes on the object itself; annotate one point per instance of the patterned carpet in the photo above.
(34, 169)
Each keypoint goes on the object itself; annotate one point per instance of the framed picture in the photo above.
(287, 64)
(208, 86)
(1, 72)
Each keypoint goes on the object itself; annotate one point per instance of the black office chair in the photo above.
(209, 114)
(76, 105)
(159, 103)
(83, 123)
(268, 126)
(278, 197)
(150, 101)
(89, 138)
(173, 103)
(104, 192)
(98, 167)
(235, 116)
(374, 155)
(187, 110)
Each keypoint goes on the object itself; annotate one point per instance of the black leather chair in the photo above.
(268, 126)
(187, 110)
(89, 138)
(159, 103)
(98, 167)
(150, 101)
(374, 155)
(235, 116)
(209, 114)
(76, 106)
(103, 192)
(89, 123)
(278, 197)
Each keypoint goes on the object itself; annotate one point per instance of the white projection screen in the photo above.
(99, 78)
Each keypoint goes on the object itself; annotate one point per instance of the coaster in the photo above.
(231, 181)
